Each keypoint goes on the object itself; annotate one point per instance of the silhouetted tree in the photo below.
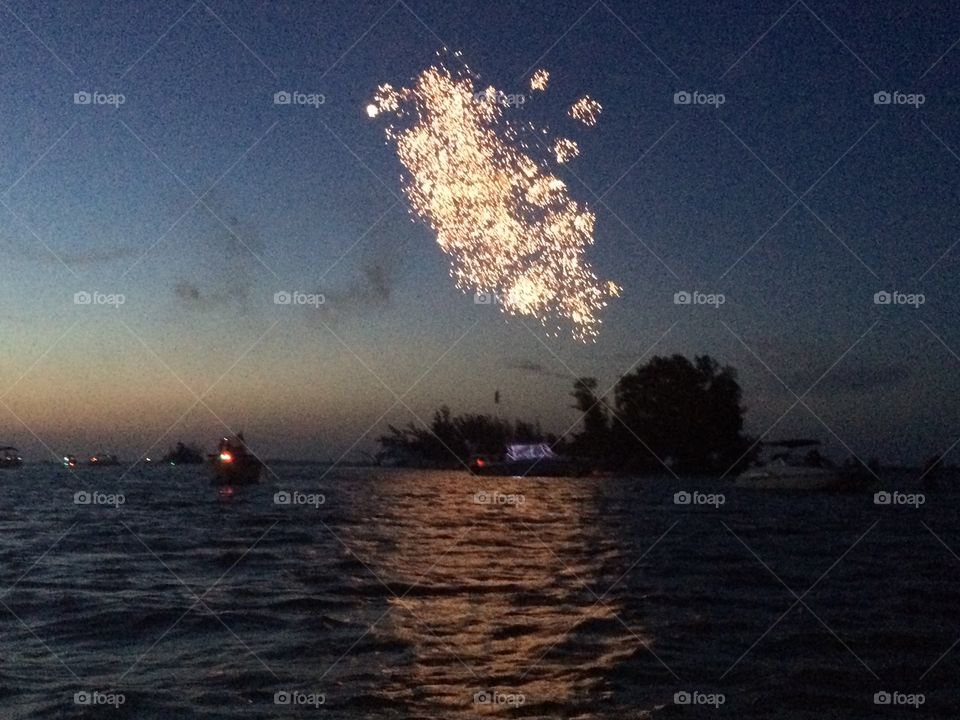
(593, 441)
(687, 414)
(450, 441)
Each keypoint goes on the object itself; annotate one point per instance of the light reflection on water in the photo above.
(507, 600)
(403, 596)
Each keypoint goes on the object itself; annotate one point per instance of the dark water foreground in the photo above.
(402, 594)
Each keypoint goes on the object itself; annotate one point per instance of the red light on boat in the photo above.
(479, 462)
(226, 457)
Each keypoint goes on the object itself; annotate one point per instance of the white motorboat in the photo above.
(779, 474)
(786, 469)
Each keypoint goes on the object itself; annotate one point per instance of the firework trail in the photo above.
(508, 223)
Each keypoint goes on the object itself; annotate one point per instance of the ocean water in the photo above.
(418, 594)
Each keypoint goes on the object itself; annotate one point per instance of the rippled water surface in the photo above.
(402, 596)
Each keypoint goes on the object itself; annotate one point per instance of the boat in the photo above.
(525, 460)
(785, 468)
(233, 464)
(102, 460)
(69, 461)
(183, 455)
(10, 457)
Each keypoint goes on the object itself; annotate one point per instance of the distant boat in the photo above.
(233, 464)
(69, 461)
(525, 459)
(786, 469)
(102, 460)
(183, 455)
(10, 457)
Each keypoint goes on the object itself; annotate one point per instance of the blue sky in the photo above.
(198, 198)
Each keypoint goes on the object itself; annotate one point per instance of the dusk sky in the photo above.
(199, 198)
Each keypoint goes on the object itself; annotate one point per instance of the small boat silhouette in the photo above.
(233, 464)
(10, 457)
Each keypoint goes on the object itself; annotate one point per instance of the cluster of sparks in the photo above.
(586, 110)
(539, 80)
(509, 225)
(565, 149)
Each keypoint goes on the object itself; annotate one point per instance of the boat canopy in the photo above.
(530, 451)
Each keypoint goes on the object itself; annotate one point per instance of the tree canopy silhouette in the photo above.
(674, 411)
(450, 441)
(594, 441)
(686, 414)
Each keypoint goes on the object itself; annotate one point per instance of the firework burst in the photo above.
(509, 225)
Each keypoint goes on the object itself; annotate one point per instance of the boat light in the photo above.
(226, 457)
